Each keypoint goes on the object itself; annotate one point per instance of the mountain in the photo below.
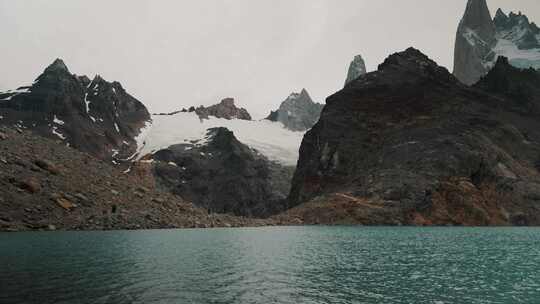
(223, 175)
(269, 138)
(93, 116)
(47, 186)
(517, 28)
(481, 39)
(357, 68)
(410, 144)
(298, 112)
(225, 109)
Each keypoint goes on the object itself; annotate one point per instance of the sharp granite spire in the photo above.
(357, 68)
(475, 40)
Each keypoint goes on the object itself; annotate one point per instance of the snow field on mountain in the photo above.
(269, 138)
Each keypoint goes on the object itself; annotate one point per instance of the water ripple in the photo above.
(273, 265)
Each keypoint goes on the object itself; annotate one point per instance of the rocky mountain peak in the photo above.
(412, 61)
(85, 114)
(520, 87)
(357, 68)
(366, 146)
(57, 66)
(302, 97)
(225, 109)
(475, 40)
(518, 29)
(500, 14)
(98, 78)
(298, 112)
(478, 18)
(411, 57)
(228, 102)
(223, 175)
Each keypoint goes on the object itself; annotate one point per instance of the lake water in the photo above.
(273, 265)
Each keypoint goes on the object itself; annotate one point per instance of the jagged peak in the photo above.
(98, 78)
(228, 102)
(358, 58)
(477, 17)
(502, 60)
(357, 68)
(503, 64)
(519, 16)
(303, 95)
(58, 65)
(500, 14)
(411, 57)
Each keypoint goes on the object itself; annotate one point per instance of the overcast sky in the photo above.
(176, 53)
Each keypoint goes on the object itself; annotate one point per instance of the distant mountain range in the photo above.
(481, 39)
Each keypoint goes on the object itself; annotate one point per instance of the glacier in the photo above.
(271, 139)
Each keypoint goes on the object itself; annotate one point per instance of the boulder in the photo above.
(47, 166)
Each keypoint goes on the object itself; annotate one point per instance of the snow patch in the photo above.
(58, 121)
(269, 138)
(472, 37)
(140, 139)
(21, 90)
(518, 58)
(54, 131)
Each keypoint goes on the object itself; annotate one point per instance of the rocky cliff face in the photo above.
(480, 40)
(93, 116)
(475, 40)
(357, 68)
(223, 175)
(298, 112)
(409, 144)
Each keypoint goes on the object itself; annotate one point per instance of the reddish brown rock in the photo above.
(31, 185)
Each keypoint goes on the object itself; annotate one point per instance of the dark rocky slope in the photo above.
(223, 176)
(46, 186)
(409, 144)
(93, 116)
(298, 112)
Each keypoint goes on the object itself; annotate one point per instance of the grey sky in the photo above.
(175, 53)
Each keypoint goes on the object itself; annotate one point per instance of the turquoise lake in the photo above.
(273, 265)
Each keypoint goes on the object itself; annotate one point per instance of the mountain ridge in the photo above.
(409, 144)
(94, 116)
